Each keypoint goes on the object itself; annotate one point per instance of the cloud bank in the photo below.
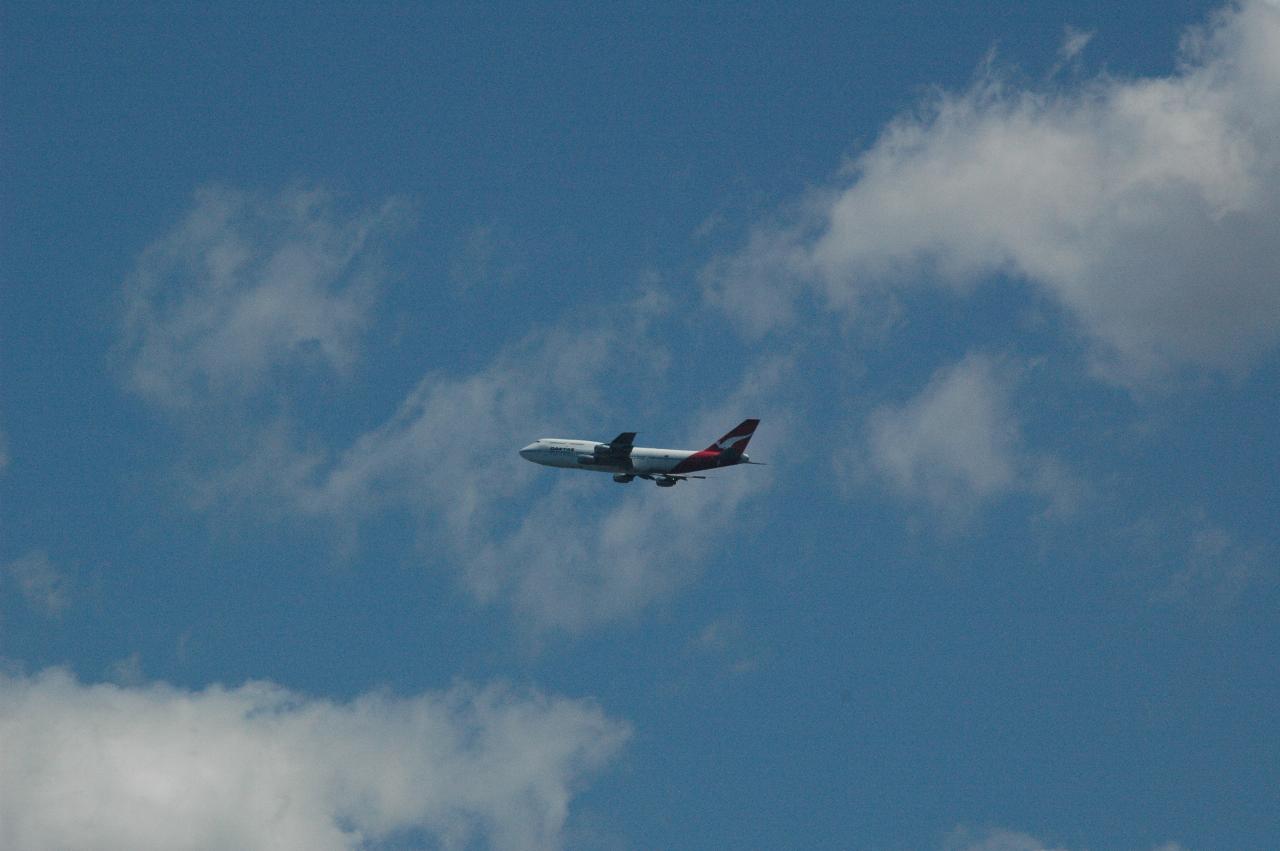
(1148, 208)
(103, 767)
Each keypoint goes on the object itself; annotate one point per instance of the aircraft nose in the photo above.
(527, 452)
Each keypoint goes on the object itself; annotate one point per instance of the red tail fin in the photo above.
(736, 440)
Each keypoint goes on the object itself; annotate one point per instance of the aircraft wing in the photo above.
(618, 448)
(616, 453)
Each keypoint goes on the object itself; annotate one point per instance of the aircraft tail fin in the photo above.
(735, 442)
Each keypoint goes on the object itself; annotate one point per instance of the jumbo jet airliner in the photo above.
(663, 467)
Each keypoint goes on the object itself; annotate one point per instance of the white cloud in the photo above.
(157, 767)
(247, 283)
(1074, 42)
(954, 441)
(957, 444)
(576, 560)
(1149, 208)
(42, 584)
(451, 446)
(759, 285)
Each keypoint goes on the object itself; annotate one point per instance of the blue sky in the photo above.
(283, 291)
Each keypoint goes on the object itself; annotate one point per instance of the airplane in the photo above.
(663, 467)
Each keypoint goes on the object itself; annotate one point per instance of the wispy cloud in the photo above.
(1148, 208)
(1217, 571)
(957, 445)
(43, 586)
(446, 457)
(246, 284)
(1074, 42)
(1188, 560)
(257, 767)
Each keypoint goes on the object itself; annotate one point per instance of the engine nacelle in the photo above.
(666, 483)
(623, 478)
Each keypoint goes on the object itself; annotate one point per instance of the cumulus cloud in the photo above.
(245, 284)
(1148, 208)
(158, 767)
(957, 444)
(43, 586)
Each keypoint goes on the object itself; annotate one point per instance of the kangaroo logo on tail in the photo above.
(735, 442)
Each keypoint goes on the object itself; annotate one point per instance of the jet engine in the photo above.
(665, 483)
(623, 478)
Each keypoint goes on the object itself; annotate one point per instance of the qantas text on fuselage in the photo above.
(664, 467)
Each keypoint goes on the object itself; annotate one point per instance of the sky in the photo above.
(284, 288)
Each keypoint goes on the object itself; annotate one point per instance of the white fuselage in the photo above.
(627, 462)
(557, 452)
